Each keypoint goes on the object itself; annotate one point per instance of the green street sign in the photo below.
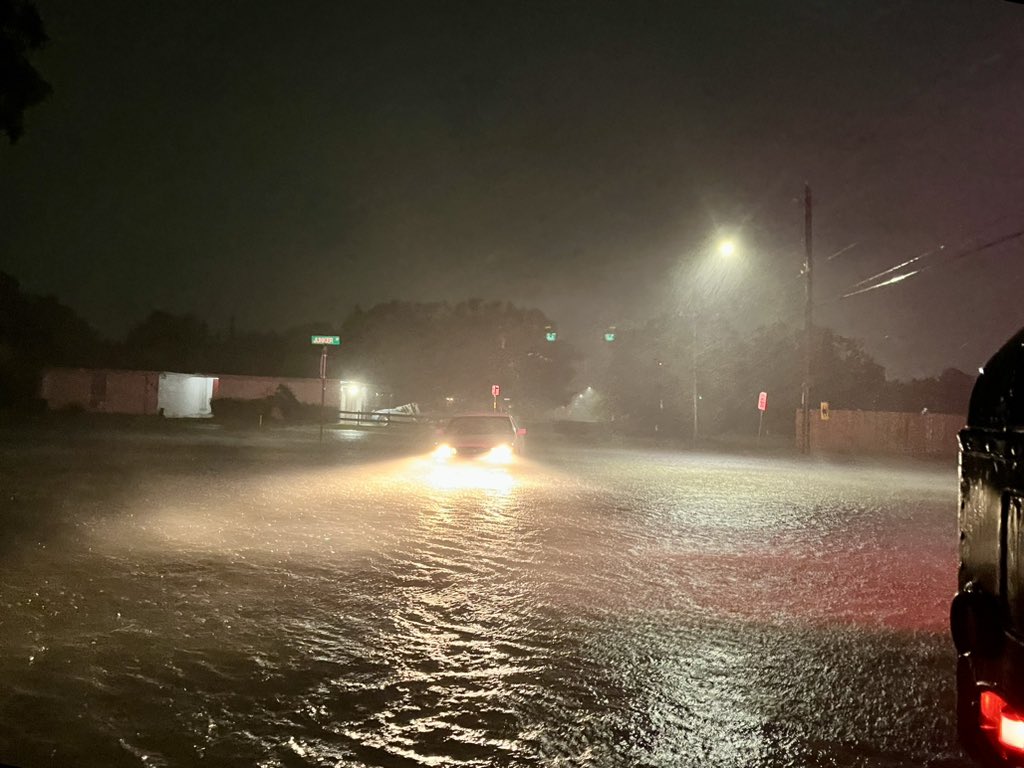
(322, 341)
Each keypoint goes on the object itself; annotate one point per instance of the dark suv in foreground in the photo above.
(987, 614)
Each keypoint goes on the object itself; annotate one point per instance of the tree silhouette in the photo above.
(21, 86)
(428, 352)
(168, 342)
(39, 331)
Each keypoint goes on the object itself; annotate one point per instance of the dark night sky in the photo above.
(279, 162)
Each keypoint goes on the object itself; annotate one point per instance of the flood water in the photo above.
(198, 599)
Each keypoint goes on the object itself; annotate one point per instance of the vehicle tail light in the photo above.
(999, 720)
(1011, 731)
(992, 706)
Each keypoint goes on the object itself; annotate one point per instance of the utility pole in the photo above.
(323, 388)
(323, 342)
(805, 389)
(693, 368)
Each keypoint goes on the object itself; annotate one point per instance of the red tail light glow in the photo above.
(999, 720)
(1011, 731)
(992, 706)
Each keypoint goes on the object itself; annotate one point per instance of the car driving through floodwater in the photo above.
(493, 438)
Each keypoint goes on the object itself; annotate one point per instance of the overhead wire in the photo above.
(841, 251)
(956, 257)
(898, 267)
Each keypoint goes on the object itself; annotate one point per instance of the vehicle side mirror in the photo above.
(521, 432)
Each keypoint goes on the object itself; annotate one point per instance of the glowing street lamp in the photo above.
(727, 248)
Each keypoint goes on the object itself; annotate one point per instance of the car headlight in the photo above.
(443, 451)
(499, 454)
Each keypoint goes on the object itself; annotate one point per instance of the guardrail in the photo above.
(378, 419)
(381, 419)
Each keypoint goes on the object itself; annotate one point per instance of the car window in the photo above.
(480, 425)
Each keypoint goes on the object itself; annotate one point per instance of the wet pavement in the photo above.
(195, 598)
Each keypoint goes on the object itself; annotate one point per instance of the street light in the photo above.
(727, 248)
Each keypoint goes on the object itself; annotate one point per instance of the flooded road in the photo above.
(196, 599)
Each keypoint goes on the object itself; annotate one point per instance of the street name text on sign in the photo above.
(331, 341)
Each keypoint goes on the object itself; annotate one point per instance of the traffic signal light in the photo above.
(550, 334)
(609, 335)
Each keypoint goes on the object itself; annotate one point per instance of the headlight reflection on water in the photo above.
(321, 510)
(442, 471)
(470, 476)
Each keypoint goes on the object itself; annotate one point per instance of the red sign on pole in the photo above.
(762, 401)
(495, 390)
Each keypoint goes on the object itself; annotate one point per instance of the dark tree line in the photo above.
(648, 377)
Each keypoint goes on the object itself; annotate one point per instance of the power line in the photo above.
(898, 267)
(841, 251)
(900, 278)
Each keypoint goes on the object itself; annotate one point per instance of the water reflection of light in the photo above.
(467, 476)
(318, 510)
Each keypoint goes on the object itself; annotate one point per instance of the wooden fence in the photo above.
(883, 432)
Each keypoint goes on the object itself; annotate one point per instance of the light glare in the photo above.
(463, 477)
(1011, 732)
(443, 452)
(499, 454)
